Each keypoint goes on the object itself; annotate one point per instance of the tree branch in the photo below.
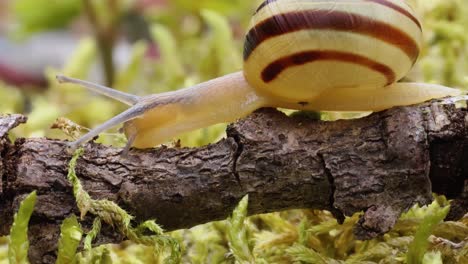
(381, 164)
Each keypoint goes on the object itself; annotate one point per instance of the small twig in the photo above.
(445, 242)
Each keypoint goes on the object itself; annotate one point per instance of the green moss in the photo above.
(18, 243)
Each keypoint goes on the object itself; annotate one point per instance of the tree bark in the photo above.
(381, 164)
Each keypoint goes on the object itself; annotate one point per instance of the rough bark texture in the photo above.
(381, 164)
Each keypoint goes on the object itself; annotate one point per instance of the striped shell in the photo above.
(296, 49)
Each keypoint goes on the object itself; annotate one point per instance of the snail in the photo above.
(340, 55)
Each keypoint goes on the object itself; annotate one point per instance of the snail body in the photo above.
(342, 55)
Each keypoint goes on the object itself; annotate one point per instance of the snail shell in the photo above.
(294, 50)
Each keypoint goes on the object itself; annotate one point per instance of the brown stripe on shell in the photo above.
(274, 69)
(329, 20)
(262, 5)
(381, 2)
(398, 9)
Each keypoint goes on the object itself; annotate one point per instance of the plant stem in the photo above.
(105, 38)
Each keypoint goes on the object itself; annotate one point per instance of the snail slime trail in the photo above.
(342, 55)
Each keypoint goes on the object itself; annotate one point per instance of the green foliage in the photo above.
(432, 258)
(98, 255)
(113, 215)
(70, 237)
(40, 15)
(170, 67)
(11, 99)
(237, 233)
(107, 12)
(92, 234)
(306, 236)
(224, 7)
(4, 250)
(132, 72)
(418, 247)
(80, 62)
(445, 58)
(227, 57)
(303, 254)
(18, 244)
(207, 243)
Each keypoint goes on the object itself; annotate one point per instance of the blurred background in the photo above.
(140, 47)
(151, 46)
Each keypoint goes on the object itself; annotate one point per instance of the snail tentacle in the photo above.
(125, 98)
(129, 114)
